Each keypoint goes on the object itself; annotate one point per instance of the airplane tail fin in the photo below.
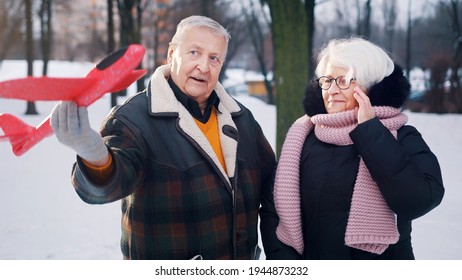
(22, 136)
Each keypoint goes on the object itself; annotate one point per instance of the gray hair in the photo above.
(200, 21)
(366, 62)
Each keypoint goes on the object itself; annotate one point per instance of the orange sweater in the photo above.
(210, 130)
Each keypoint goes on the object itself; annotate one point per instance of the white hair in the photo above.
(199, 21)
(366, 62)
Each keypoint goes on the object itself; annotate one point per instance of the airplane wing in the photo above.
(128, 80)
(44, 88)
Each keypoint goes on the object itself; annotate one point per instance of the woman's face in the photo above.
(336, 99)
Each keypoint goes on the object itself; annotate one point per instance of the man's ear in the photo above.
(170, 52)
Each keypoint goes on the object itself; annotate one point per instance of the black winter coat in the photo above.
(177, 201)
(406, 171)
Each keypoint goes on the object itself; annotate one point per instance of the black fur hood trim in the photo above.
(392, 91)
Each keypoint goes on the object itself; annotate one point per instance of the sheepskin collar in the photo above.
(163, 100)
(392, 91)
(163, 103)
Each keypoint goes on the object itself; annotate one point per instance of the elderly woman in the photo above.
(352, 175)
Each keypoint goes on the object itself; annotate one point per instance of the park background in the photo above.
(43, 217)
(272, 42)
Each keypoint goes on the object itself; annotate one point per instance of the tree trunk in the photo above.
(309, 10)
(130, 33)
(408, 40)
(111, 41)
(45, 33)
(454, 100)
(29, 53)
(291, 70)
(390, 16)
(140, 82)
(367, 20)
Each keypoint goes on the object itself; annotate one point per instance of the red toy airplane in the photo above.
(114, 73)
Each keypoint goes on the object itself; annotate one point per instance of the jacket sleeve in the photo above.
(406, 170)
(126, 149)
(274, 248)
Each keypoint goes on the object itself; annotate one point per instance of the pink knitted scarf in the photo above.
(371, 224)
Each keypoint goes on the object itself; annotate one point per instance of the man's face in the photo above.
(196, 62)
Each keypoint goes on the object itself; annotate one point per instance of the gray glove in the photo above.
(72, 128)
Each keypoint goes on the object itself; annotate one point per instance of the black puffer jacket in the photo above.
(406, 171)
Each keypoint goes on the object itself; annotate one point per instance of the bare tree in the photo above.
(408, 38)
(131, 18)
(160, 31)
(436, 95)
(352, 18)
(11, 18)
(130, 12)
(436, 47)
(111, 41)
(256, 26)
(363, 24)
(454, 102)
(389, 14)
(409, 49)
(95, 39)
(46, 32)
(235, 24)
(29, 52)
(110, 27)
(343, 23)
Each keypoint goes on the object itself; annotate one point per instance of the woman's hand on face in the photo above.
(365, 111)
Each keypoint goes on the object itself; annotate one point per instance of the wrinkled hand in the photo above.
(365, 111)
(72, 128)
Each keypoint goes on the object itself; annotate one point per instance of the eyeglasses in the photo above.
(325, 82)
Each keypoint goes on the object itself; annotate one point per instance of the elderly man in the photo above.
(188, 162)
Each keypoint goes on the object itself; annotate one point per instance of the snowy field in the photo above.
(43, 218)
